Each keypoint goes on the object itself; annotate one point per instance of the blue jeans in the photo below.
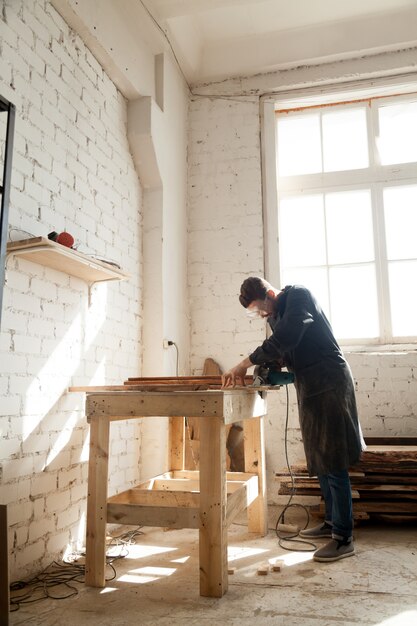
(337, 496)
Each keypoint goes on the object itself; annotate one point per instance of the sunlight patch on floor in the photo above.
(407, 618)
(234, 553)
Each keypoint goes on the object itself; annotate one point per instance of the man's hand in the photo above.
(236, 375)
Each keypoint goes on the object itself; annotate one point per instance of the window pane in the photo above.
(299, 150)
(403, 296)
(345, 141)
(301, 231)
(397, 142)
(314, 278)
(353, 302)
(400, 207)
(349, 227)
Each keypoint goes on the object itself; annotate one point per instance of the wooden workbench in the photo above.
(208, 499)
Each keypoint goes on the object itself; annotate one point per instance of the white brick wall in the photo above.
(225, 225)
(72, 170)
(226, 246)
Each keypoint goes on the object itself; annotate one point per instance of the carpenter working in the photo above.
(302, 340)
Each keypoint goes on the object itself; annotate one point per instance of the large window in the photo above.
(347, 213)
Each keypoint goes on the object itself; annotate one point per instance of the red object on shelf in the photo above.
(65, 239)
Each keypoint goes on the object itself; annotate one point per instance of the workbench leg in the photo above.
(213, 530)
(176, 443)
(253, 430)
(95, 559)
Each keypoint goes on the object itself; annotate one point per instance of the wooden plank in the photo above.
(4, 567)
(124, 405)
(379, 459)
(234, 405)
(51, 254)
(186, 498)
(190, 485)
(161, 516)
(385, 507)
(162, 388)
(177, 484)
(241, 498)
(193, 474)
(173, 379)
(239, 476)
(387, 478)
(394, 451)
(360, 486)
(213, 529)
(176, 443)
(212, 368)
(391, 441)
(230, 476)
(255, 463)
(362, 470)
(179, 499)
(97, 388)
(95, 561)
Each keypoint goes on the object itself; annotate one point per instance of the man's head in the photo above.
(257, 296)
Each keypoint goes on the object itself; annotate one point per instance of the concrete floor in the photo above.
(157, 584)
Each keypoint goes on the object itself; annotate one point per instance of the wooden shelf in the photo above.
(56, 256)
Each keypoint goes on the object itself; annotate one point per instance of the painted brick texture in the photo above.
(72, 171)
(225, 225)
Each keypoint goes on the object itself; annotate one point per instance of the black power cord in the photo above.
(63, 575)
(172, 343)
(285, 536)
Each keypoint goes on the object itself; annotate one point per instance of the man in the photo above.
(303, 341)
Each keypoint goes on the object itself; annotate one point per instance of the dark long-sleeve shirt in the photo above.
(303, 340)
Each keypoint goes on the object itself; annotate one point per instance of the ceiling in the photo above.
(217, 39)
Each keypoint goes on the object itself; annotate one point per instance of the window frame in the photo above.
(375, 177)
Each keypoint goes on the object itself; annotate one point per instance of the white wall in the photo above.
(225, 224)
(73, 170)
(226, 245)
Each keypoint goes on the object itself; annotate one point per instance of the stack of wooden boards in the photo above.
(384, 482)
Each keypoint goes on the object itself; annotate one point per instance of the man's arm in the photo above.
(236, 374)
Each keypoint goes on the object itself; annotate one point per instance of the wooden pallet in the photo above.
(384, 482)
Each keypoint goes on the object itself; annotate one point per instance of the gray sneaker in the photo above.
(334, 550)
(322, 530)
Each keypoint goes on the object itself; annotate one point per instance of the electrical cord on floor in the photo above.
(65, 574)
(40, 586)
(283, 535)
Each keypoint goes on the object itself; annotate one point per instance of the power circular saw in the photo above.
(267, 375)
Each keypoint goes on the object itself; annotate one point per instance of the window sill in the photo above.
(391, 348)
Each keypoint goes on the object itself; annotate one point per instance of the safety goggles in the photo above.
(253, 313)
(258, 311)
